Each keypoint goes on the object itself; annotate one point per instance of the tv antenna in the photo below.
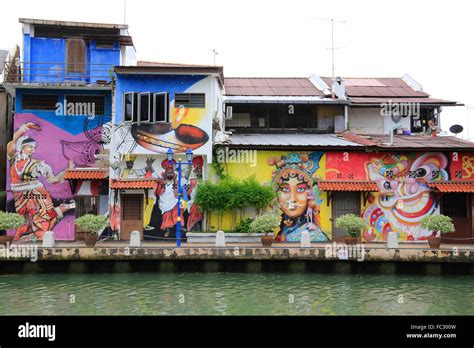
(332, 20)
(215, 53)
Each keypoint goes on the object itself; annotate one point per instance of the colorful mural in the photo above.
(35, 179)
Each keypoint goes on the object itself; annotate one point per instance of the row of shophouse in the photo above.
(91, 128)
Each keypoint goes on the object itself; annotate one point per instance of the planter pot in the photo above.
(6, 239)
(434, 242)
(267, 241)
(80, 235)
(352, 240)
(90, 239)
(204, 237)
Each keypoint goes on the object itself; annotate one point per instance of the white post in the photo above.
(48, 239)
(220, 239)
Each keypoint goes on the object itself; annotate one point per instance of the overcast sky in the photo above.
(429, 40)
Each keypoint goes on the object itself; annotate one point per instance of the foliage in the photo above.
(438, 223)
(351, 224)
(9, 221)
(265, 223)
(217, 166)
(244, 226)
(257, 195)
(92, 223)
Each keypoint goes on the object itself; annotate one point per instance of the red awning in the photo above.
(340, 185)
(133, 184)
(453, 186)
(86, 174)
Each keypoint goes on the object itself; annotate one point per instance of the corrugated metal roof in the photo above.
(49, 22)
(293, 86)
(378, 101)
(290, 140)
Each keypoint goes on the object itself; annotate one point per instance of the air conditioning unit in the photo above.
(228, 113)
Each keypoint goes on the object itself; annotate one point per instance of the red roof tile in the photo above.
(453, 186)
(339, 185)
(86, 174)
(133, 184)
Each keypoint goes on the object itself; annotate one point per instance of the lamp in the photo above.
(189, 155)
(169, 155)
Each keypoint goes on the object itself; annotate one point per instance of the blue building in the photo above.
(58, 157)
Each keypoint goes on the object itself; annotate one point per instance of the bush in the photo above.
(351, 224)
(265, 223)
(92, 223)
(438, 223)
(9, 221)
(244, 226)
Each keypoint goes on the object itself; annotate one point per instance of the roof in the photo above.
(145, 68)
(354, 185)
(453, 186)
(133, 184)
(86, 174)
(411, 142)
(294, 86)
(55, 23)
(289, 140)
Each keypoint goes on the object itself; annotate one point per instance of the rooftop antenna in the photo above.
(332, 20)
(215, 53)
(124, 11)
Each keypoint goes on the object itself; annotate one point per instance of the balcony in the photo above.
(58, 74)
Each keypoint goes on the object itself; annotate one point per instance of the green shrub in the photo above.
(351, 224)
(265, 223)
(9, 221)
(438, 224)
(92, 223)
(244, 226)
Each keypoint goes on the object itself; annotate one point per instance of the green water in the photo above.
(234, 294)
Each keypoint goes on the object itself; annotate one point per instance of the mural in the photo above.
(35, 179)
(298, 196)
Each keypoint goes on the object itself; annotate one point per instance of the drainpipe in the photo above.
(346, 117)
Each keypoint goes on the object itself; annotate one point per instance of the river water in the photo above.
(235, 294)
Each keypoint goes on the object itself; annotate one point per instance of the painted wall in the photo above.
(366, 121)
(44, 145)
(404, 197)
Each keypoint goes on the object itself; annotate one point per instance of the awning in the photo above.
(453, 186)
(340, 185)
(133, 184)
(86, 174)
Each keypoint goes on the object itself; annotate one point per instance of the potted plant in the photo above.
(91, 225)
(9, 221)
(437, 224)
(352, 225)
(265, 224)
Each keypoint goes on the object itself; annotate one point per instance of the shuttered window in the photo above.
(190, 100)
(76, 56)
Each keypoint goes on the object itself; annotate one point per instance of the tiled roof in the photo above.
(249, 86)
(380, 100)
(86, 174)
(453, 186)
(339, 185)
(133, 184)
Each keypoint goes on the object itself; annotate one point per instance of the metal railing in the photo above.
(58, 73)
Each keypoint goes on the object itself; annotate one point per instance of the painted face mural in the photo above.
(404, 197)
(298, 195)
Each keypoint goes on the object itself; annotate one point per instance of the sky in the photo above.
(429, 40)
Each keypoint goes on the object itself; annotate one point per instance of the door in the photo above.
(343, 202)
(458, 207)
(132, 215)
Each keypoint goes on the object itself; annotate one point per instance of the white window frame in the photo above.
(139, 111)
(166, 106)
(124, 108)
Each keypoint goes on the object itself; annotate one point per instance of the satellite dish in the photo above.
(456, 129)
(396, 117)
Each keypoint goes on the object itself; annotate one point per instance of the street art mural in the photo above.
(298, 196)
(41, 149)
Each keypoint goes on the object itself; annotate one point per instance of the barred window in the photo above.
(190, 100)
(87, 205)
(39, 102)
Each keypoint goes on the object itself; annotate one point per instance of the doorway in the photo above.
(343, 202)
(458, 206)
(132, 215)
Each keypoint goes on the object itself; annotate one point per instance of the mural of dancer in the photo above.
(404, 197)
(298, 195)
(30, 196)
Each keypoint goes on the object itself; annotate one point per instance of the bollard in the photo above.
(392, 240)
(305, 240)
(48, 239)
(220, 239)
(135, 239)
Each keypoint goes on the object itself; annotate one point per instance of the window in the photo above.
(39, 102)
(145, 107)
(190, 100)
(76, 56)
(87, 103)
(456, 204)
(87, 205)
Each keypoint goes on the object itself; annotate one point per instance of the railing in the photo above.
(58, 73)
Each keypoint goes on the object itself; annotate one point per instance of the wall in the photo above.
(366, 121)
(403, 199)
(44, 145)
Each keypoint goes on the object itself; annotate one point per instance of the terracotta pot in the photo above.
(90, 239)
(267, 241)
(434, 242)
(80, 235)
(352, 240)
(6, 239)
